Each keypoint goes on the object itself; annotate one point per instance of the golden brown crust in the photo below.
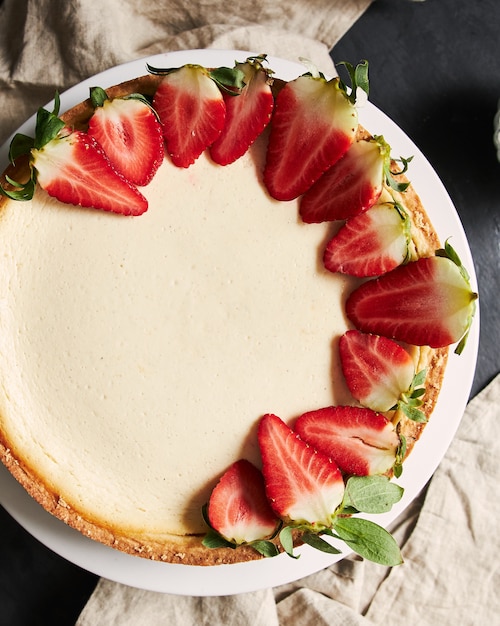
(189, 550)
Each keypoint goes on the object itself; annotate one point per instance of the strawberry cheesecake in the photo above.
(170, 322)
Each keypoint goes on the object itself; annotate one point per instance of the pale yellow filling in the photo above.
(138, 354)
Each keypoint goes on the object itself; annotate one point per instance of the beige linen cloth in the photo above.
(449, 535)
(450, 544)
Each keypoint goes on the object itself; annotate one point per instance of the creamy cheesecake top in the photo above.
(139, 353)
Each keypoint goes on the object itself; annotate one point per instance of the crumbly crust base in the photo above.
(188, 550)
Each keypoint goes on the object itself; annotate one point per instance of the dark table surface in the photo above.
(435, 70)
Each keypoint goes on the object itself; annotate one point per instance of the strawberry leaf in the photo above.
(369, 540)
(266, 548)
(400, 456)
(21, 192)
(461, 344)
(286, 539)
(418, 392)
(98, 96)
(315, 541)
(410, 401)
(372, 494)
(389, 175)
(20, 145)
(48, 124)
(398, 469)
(213, 540)
(449, 252)
(413, 413)
(359, 79)
(419, 378)
(230, 80)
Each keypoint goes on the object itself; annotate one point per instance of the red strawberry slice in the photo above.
(302, 485)
(426, 302)
(192, 112)
(313, 125)
(371, 243)
(247, 114)
(130, 134)
(359, 440)
(73, 168)
(351, 186)
(377, 370)
(238, 508)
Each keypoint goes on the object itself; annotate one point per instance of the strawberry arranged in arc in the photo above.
(191, 108)
(192, 112)
(72, 167)
(428, 302)
(130, 134)
(238, 508)
(247, 114)
(359, 440)
(303, 486)
(352, 185)
(379, 373)
(371, 243)
(313, 125)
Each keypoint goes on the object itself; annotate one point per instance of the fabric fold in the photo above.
(450, 575)
(49, 45)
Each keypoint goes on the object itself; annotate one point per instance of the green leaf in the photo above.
(400, 455)
(347, 508)
(48, 126)
(372, 494)
(230, 79)
(213, 540)
(413, 413)
(419, 378)
(359, 79)
(22, 192)
(266, 548)
(98, 96)
(369, 540)
(449, 252)
(286, 539)
(461, 344)
(315, 541)
(137, 96)
(418, 393)
(20, 145)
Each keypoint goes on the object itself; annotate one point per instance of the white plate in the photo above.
(245, 577)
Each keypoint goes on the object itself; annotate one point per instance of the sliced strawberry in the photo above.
(247, 114)
(192, 112)
(377, 370)
(302, 485)
(351, 186)
(238, 508)
(313, 125)
(130, 134)
(74, 169)
(371, 243)
(426, 302)
(359, 440)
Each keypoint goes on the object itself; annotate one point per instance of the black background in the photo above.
(435, 70)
